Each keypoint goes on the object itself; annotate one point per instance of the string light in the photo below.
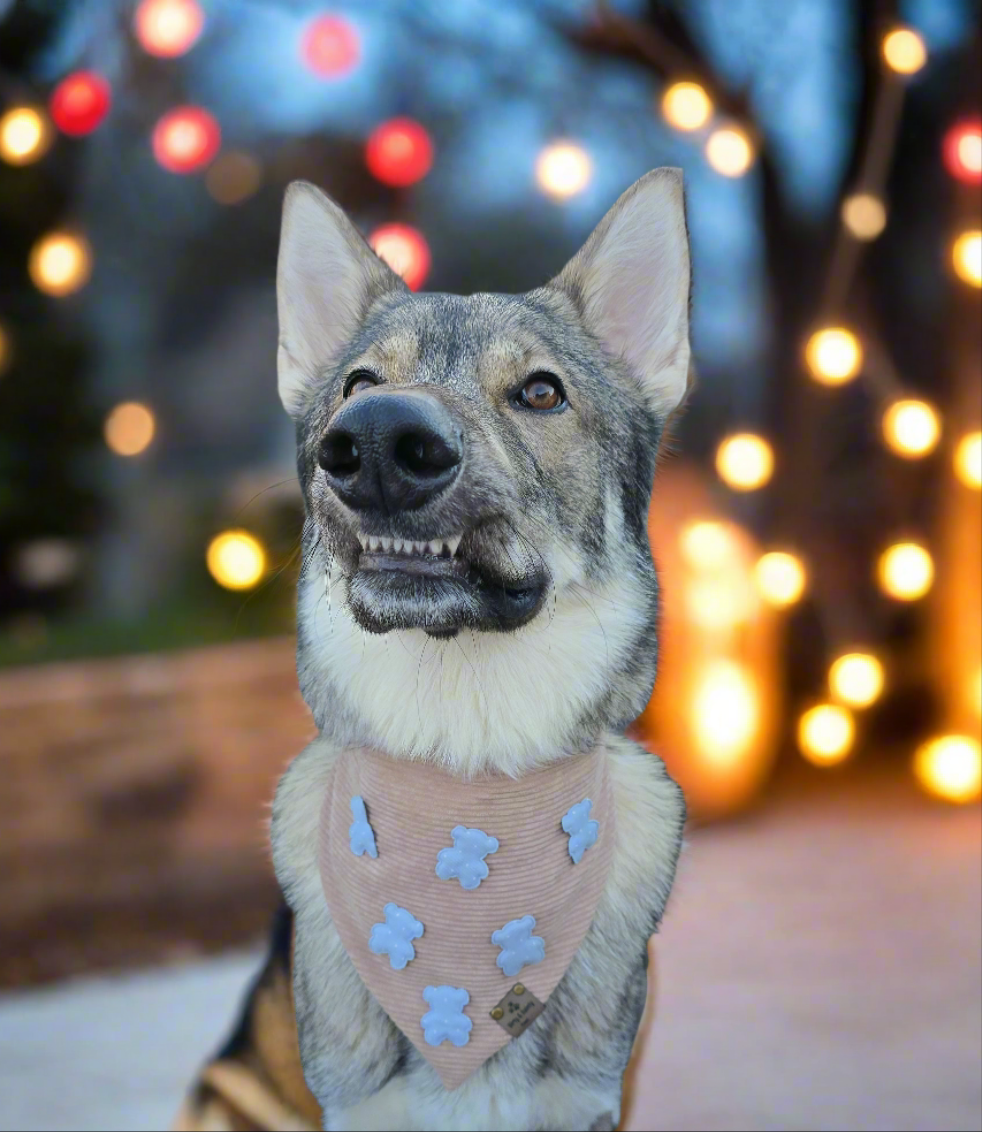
(60, 263)
(864, 215)
(725, 712)
(563, 169)
(905, 571)
(168, 28)
(233, 177)
(706, 545)
(745, 462)
(686, 106)
(399, 152)
(856, 679)
(966, 257)
(186, 139)
(80, 103)
(781, 578)
(236, 560)
(968, 460)
(25, 135)
(911, 428)
(826, 734)
(962, 149)
(729, 151)
(129, 428)
(950, 767)
(330, 46)
(404, 250)
(904, 51)
(833, 355)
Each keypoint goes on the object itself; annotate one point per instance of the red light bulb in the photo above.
(399, 152)
(186, 139)
(330, 46)
(404, 250)
(79, 103)
(963, 151)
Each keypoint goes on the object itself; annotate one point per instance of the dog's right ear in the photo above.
(327, 277)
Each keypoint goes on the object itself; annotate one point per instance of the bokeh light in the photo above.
(968, 460)
(966, 257)
(129, 428)
(6, 349)
(975, 691)
(826, 734)
(399, 152)
(80, 103)
(563, 169)
(864, 215)
(60, 263)
(911, 428)
(168, 27)
(950, 767)
(404, 250)
(904, 51)
(745, 461)
(905, 571)
(686, 106)
(833, 355)
(706, 545)
(730, 151)
(186, 139)
(856, 679)
(962, 149)
(781, 578)
(330, 46)
(233, 177)
(25, 135)
(725, 712)
(236, 560)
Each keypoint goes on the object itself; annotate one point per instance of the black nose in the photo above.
(390, 451)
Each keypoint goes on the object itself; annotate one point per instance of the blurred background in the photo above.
(817, 517)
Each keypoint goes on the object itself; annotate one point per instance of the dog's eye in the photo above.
(358, 381)
(543, 392)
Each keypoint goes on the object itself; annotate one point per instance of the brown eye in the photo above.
(359, 381)
(543, 392)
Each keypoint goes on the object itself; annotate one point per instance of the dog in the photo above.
(477, 601)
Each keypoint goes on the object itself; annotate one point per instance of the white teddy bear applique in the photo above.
(394, 937)
(519, 948)
(446, 1021)
(465, 860)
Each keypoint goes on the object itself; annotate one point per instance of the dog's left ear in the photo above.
(630, 280)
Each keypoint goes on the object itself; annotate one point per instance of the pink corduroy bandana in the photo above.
(412, 810)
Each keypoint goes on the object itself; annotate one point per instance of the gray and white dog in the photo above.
(478, 591)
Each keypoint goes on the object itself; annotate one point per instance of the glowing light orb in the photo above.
(129, 429)
(905, 571)
(79, 103)
(904, 51)
(911, 428)
(25, 135)
(563, 169)
(236, 560)
(686, 106)
(186, 139)
(6, 350)
(966, 257)
(968, 460)
(233, 177)
(833, 355)
(962, 149)
(330, 46)
(706, 544)
(745, 461)
(826, 734)
(725, 712)
(950, 767)
(864, 215)
(399, 152)
(730, 151)
(856, 679)
(168, 28)
(404, 250)
(781, 578)
(60, 263)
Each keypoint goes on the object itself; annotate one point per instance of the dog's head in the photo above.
(481, 464)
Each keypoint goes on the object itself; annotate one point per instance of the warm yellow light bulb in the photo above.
(730, 151)
(968, 460)
(563, 169)
(856, 679)
(780, 578)
(834, 355)
(725, 712)
(60, 263)
(905, 571)
(911, 428)
(950, 767)
(129, 428)
(904, 51)
(745, 461)
(686, 106)
(826, 734)
(236, 560)
(25, 135)
(966, 257)
(706, 545)
(864, 215)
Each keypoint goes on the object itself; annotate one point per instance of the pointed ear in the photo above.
(630, 280)
(327, 276)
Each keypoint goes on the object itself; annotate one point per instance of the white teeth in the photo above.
(419, 547)
(386, 543)
(361, 541)
(453, 543)
(437, 547)
(434, 547)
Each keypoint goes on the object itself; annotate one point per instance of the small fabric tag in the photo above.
(517, 1010)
